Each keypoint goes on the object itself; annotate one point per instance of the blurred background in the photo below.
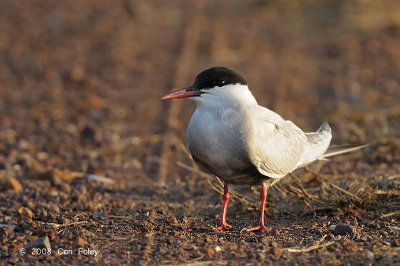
(81, 82)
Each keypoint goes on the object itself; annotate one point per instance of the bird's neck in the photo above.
(240, 94)
(227, 96)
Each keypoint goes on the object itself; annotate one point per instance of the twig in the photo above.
(55, 225)
(394, 177)
(317, 245)
(390, 214)
(295, 190)
(298, 182)
(310, 248)
(215, 188)
(112, 239)
(282, 190)
(200, 263)
(345, 191)
(183, 148)
(78, 223)
(308, 198)
(194, 170)
(219, 182)
(326, 177)
(120, 217)
(208, 177)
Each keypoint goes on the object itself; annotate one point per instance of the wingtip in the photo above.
(325, 128)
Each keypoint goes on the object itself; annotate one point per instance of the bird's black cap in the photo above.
(217, 76)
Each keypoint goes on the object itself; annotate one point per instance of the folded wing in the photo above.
(277, 145)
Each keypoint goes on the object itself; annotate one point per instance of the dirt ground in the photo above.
(92, 160)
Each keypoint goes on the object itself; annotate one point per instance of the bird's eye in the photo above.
(220, 83)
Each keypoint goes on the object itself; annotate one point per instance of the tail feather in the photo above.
(317, 146)
(336, 150)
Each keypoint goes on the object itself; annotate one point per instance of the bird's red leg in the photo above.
(224, 225)
(263, 197)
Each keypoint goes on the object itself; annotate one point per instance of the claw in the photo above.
(223, 227)
(257, 228)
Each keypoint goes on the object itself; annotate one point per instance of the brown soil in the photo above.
(91, 157)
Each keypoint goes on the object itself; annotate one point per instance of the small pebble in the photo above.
(395, 243)
(95, 178)
(10, 227)
(80, 242)
(14, 184)
(395, 229)
(25, 213)
(217, 249)
(9, 182)
(275, 249)
(370, 255)
(43, 242)
(342, 229)
(210, 251)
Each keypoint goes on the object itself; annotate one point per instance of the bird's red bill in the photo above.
(182, 93)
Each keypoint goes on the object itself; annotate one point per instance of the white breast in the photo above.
(215, 138)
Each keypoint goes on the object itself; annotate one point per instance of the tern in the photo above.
(232, 137)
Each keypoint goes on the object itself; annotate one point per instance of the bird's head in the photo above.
(216, 84)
